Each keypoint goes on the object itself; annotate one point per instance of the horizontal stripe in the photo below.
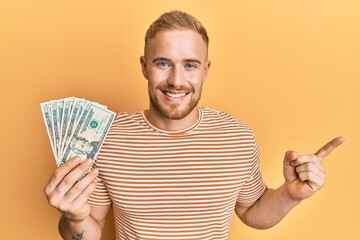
(183, 184)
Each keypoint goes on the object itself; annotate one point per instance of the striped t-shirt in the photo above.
(177, 184)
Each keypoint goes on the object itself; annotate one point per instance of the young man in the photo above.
(177, 171)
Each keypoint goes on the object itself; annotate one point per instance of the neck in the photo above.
(167, 124)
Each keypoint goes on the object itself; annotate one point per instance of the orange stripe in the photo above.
(182, 185)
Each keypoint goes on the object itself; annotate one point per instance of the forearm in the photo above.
(269, 210)
(85, 230)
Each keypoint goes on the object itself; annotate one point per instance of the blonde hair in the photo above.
(176, 20)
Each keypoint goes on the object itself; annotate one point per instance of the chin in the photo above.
(175, 114)
(175, 111)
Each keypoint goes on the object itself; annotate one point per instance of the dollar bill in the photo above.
(46, 112)
(76, 111)
(90, 132)
(55, 126)
(76, 127)
(84, 108)
(68, 103)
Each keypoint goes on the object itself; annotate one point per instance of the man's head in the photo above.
(80, 145)
(175, 64)
(175, 20)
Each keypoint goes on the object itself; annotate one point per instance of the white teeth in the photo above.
(175, 95)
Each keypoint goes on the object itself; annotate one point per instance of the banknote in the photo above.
(56, 107)
(68, 103)
(75, 111)
(46, 112)
(76, 127)
(89, 134)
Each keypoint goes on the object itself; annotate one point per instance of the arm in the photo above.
(268, 210)
(89, 228)
(69, 195)
(304, 175)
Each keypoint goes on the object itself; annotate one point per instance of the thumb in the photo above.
(289, 157)
(288, 170)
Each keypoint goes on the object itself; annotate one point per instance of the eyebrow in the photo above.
(192, 60)
(161, 59)
(169, 60)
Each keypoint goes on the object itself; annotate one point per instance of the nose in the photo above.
(176, 77)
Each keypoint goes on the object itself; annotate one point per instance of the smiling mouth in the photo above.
(175, 95)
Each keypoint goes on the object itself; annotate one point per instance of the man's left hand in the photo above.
(305, 174)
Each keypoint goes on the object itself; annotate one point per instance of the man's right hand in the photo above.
(67, 193)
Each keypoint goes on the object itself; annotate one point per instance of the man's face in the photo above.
(175, 65)
(82, 146)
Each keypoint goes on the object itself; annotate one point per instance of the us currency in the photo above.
(68, 103)
(46, 112)
(76, 127)
(73, 117)
(77, 118)
(57, 113)
(55, 125)
(90, 132)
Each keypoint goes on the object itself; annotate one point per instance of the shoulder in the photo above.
(228, 128)
(220, 118)
(125, 116)
(127, 119)
(129, 123)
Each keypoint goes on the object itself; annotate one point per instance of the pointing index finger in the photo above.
(329, 147)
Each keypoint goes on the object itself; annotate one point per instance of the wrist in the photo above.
(287, 198)
(71, 222)
(73, 229)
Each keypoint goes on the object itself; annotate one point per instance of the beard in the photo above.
(173, 110)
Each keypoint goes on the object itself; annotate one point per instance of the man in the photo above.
(176, 171)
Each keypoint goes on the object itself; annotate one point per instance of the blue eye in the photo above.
(189, 65)
(163, 64)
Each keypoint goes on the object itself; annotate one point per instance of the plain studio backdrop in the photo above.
(290, 69)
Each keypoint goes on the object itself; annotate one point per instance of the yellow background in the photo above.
(290, 69)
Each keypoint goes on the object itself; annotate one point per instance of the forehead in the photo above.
(177, 44)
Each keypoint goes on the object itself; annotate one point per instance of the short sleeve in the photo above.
(254, 186)
(100, 197)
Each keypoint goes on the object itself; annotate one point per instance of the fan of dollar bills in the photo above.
(76, 127)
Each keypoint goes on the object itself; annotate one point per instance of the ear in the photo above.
(206, 69)
(143, 66)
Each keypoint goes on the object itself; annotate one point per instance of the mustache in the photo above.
(167, 87)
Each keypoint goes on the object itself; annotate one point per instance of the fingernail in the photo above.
(89, 161)
(96, 171)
